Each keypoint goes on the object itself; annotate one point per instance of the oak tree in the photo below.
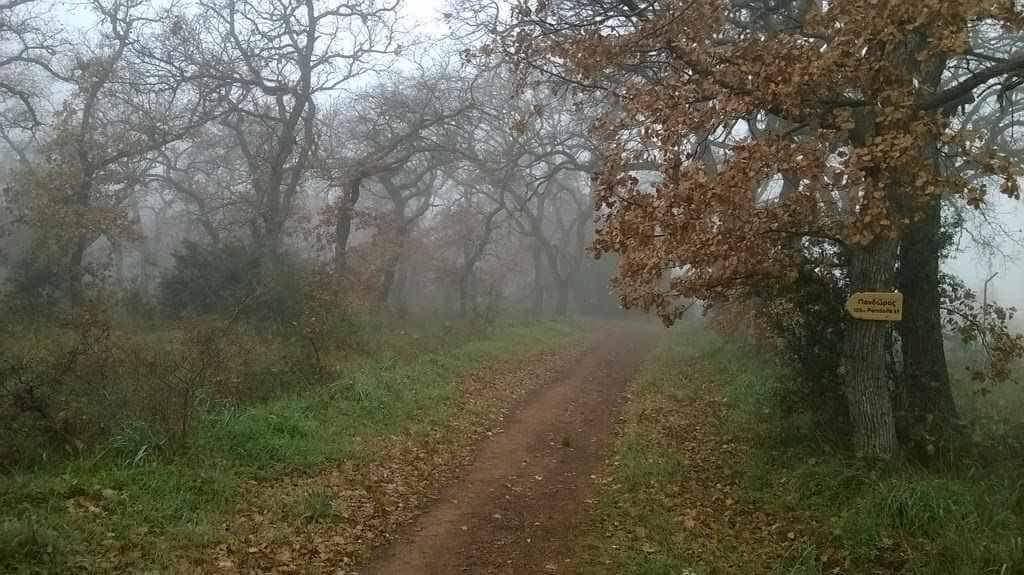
(789, 134)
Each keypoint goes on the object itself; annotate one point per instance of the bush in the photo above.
(35, 286)
(40, 411)
(810, 326)
(803, 322)
(65, 387)
(230, 279)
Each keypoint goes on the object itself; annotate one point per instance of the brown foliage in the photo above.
(986, 325)
(771, 128)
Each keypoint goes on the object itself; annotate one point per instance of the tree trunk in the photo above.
(464, 291)
(537, 309)
(867, 386)
(387, 281)
(393, 259)
(399, 292)
(926, 398)
(345, 211)
(76, 272)
(562, 303)
(146, 251)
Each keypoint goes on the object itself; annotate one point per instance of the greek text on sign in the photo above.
(879, 306)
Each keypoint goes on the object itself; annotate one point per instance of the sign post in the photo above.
(876, 306)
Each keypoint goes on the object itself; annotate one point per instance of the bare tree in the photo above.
(404, 123)
(410, 193)
(30, 45)
(124, 106)
(528, 147)
(468, 224)
(280, 58)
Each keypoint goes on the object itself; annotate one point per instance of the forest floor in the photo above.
(613, 448)
(663, 453)
(516, 507)
(715, 471)
(618, 465)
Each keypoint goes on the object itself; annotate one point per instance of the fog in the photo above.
(324, 252)
(404, 136)
(976, 262)
(416, 162)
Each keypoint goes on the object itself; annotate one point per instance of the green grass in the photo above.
(958, 519)
(317, 506)
(846, 514)
(132, 485)
(635, 524)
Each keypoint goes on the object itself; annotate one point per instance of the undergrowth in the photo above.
(961, 514)
(713, 475)
(55, 516)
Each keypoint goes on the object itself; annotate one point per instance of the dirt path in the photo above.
(515, 508)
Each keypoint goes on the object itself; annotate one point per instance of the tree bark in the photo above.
(537, 309)
(399, 292)
(867, 387)
(387, 281)
(925, 398)
(562, 303)
(345, 211)
(464, 294)
(76, 272)
(466, 284)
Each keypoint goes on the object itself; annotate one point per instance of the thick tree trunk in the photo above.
(466, 282)
(867, 386)
(393, 256)
(399, 292)
(273, 237)
(925, 398)
(387, 281)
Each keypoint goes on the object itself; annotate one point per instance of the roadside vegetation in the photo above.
(716, 472)
(142, 499)
(253, 240)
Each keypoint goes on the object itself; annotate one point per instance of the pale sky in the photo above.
(970, 264)
(426, 14)
(973, 266)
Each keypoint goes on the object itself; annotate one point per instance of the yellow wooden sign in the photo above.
(878, 306)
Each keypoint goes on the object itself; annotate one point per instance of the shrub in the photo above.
(39, 412)
(35, 286)
(232, 278)
(64, 387)
(803, 322)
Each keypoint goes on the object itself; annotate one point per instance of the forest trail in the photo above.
(514, 509)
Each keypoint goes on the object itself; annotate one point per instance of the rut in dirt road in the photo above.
(516, 506)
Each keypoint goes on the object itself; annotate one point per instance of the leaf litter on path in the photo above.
(365, 503)
(704, 522)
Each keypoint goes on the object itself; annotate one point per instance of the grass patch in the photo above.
(73, 512)
(711, 476)
(25, 540)
(638, 524)
(317, 506)
(959, 519)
